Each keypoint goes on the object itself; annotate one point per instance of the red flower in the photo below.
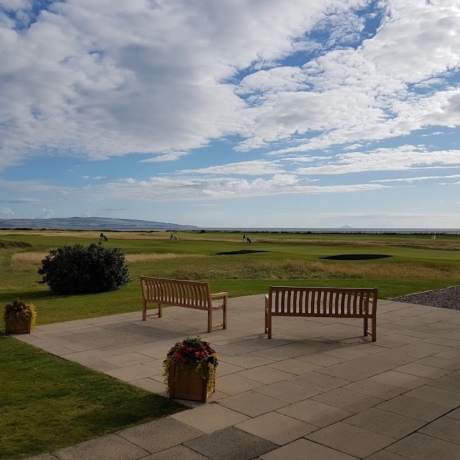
(192, 351)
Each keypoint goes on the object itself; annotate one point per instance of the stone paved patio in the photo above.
(317, 390)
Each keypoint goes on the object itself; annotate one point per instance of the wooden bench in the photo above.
(316, 302)
(180, 293)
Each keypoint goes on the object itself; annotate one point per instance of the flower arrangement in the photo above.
(19, 315)
(192, 353)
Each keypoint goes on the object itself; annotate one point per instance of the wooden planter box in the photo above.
(186, 383)
(17, 326)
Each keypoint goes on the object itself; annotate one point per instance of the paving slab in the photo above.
(455, 414)
(357, 369)
(422, 370)
(423, 349)
(351, 439)
(448, 382)
(386, 423)
(393, 356)
(347, 400)
(44, 457)
(400, 379)
(248, 361)
(385, 455)
(231, 444)
(159, 435)
(320, 359)
(210, 417)
(287, 391)
(252, 403)
(304, 449)
(232, 384)
(375, 388)
(176, 453)
(436, 361)
(445, 428)
(277, 428)
(315, 413)
(265, 374)
(294, 366)
(412, 407)
(110, 447)
(319, 381)
(446, 398)
(422, 447)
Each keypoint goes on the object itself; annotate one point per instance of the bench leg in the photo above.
(268, 325)
(159, 313)
(144, 311)
(210, 320)
(225, 312)
(374, 329)
(266, 316)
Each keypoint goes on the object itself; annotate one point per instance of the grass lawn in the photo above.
(48, 403)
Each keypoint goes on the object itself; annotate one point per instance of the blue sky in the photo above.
(236, 113)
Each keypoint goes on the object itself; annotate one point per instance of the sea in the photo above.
(344, 230)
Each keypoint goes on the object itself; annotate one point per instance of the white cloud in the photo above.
(194, 188)
(166, 156)
(365, 94)
(403, 158)
(250, 168)
(418, 178)
(109, 78)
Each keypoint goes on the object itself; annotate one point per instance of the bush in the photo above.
(82, 269)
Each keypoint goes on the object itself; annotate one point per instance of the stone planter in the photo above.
(185, 383)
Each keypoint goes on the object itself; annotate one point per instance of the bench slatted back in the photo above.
(332, 302)
(191, 294)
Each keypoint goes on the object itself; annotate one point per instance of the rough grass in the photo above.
(14, 244)
(37, 257)
(294, 269)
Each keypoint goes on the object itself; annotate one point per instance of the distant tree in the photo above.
(83, 269)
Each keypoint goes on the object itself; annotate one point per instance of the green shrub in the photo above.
(83, 269)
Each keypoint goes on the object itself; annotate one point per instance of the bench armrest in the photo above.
(219, 294)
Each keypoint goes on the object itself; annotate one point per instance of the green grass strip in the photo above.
(48, 403)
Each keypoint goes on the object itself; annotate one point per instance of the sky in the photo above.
(232, 113)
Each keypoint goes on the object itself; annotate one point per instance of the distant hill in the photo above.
(90, 223)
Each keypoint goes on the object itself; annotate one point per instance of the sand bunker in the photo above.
(356, 257)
